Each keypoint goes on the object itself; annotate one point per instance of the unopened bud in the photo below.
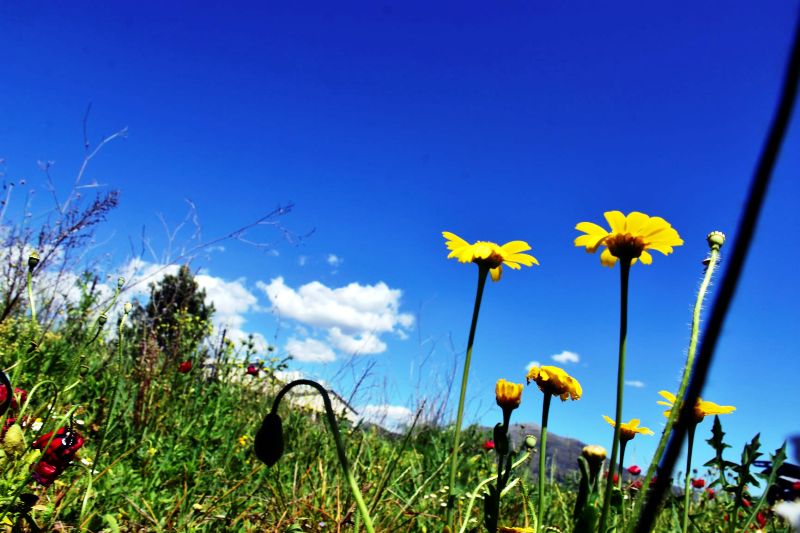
(14, 441)
(33, 260)
(530, 442)
(127, 307)
(120, 282)
(102, 319)
(594, 454)
(715, 240)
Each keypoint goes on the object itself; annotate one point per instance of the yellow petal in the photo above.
(496, 273)
(616, 220)
(646, 258)
(591, 242)
(667, 396)
(591, 228)
(606, 259)
(453, 240)
(635, 222)
(515, 247)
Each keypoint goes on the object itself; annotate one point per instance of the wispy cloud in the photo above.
(531, 365)
(334, 260)
(635, 383)
(566, 357)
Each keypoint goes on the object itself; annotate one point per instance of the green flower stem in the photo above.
(624, 273)
(337, 438)
(686, 486)
(483, 271)
(30, 299)
(479, 489)
(542, 458)
(107, 425)
(713, 260)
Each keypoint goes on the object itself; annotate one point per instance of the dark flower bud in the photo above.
(500, 440)
(120, 282)
(33, 260)
(268, 443)
(102, 319)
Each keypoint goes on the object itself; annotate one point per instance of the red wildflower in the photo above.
(761, 518)
(18, 393)
(796, 485)
(634, 470)
(636, 485)
(614, 479)
(488, 445)
(57, 456)
(746, 502)
(711, 493)
(252, 370)
(698, 483)
(653, 480)
(185, 366)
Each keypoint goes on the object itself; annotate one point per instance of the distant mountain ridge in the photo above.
(563, 450)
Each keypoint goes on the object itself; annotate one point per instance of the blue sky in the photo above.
(386, 123)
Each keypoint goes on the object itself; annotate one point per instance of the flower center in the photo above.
(487, 254)
(625, 245)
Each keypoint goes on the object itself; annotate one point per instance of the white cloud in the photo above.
(334, 260)
(302, 260)
(635, 383)
(354, 316)
(389, 416)
(566, 357)
(310, 350)
(531, 365)
(231, 299)
(363, 343)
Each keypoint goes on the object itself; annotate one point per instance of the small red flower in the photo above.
(636, 485)
(20, 394)
(746, 502)
(252, 370)
(796, 485)
(653, 480)
(185, 366)
(711, 493)
(57, 456)
(634, 470)
(614, 479)
(488, 445)
(761, 518)
(698, 483)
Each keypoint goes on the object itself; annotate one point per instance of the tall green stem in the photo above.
(686, 492)
(483, 271)
(337, 438)
(713, 260)
(542, 458)
(624, 272)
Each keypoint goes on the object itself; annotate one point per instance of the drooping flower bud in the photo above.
(268, 444)
(715, 239)
(102, 319)
(120, 282)
(33, 260)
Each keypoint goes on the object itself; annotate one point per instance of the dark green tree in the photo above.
(178, 315)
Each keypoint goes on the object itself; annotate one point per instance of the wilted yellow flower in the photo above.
(630, 237)
(628, 430)
(489, 254)
(506, 529)
(702, 408)
(243, 440)
(508, 395)
(553, 380)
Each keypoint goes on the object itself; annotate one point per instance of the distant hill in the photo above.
(563, 450)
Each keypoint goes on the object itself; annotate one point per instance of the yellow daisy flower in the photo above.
(489, 254)
(508, 395)
(630, 237)
(702, 408)
(628, 430)
(553, 380)
(506, 529)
